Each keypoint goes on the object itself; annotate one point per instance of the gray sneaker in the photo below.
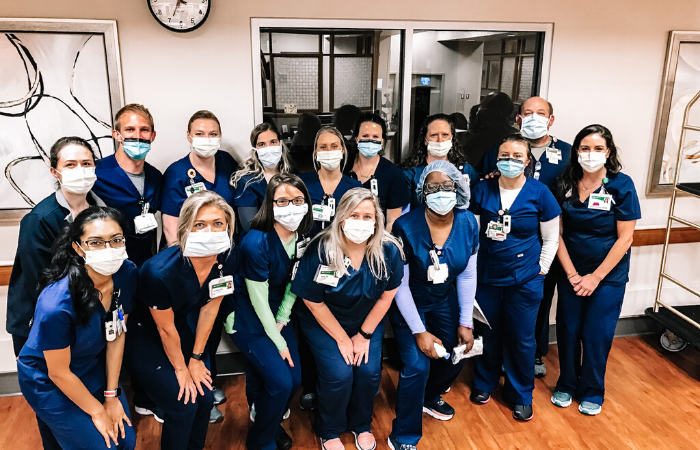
(216, 415)
(540, 369)
(219, 396)
(590, 408)
(252, 413)
(561, 399)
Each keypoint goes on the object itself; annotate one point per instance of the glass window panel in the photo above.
(353, 82)
(492, 47)
(265, 42)
(296, 82)
(530, 44)
(494, 74)
(326, 43)
(526, 75)
(508, 75)
(511, 46)
(345, 45)
(326, 83)
(294, 43)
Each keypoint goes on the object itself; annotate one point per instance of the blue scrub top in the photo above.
(548, 172)
(318, 196)
(589, 234)
(463, 241)
(175, 180)
(356, 293)
(391, 185)
(117, 190)
(413, 178)
(56, 327)
(516, 259)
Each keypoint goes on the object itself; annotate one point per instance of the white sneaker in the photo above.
(252, 413)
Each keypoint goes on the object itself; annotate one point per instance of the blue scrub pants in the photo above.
(345, 393)
(422, 379)
(585, 331)
(542, 326)
(275, 380)
(510, 342)
(67, 427)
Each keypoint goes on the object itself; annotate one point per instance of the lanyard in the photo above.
(145, 206)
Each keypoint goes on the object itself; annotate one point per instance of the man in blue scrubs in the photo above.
(551, 157)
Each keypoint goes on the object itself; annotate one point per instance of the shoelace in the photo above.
(441, 402)
(407, 447)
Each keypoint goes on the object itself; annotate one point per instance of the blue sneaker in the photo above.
(393, 445)
(589, 408)
(561, 399)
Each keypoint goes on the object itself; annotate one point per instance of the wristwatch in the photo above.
(115, 393)
(197, 356)
(365, 335)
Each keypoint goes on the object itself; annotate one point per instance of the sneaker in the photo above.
(365, 441)
(393, 445)
(540, 369)
(307, 402)
(479, 397)
(283, 441)
(156, 412)
(440, 410)
(216, 415)
(590, 408)
(252, 413)
(219, 396)
(332, 444)
(561, 399)
(522, 413)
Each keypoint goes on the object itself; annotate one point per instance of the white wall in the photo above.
(607, 64)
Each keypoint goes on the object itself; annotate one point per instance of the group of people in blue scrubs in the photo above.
(302, 271)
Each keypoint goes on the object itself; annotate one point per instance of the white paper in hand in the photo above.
(478, 314)
(477, 349)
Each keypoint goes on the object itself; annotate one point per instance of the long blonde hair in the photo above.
(253, 166)
(332, 238)
(190, 209)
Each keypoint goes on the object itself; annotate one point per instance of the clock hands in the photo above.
(178, 6)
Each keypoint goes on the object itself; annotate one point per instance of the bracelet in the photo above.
(281, 322)
(571, 276)
(197, 356)
(116, 393)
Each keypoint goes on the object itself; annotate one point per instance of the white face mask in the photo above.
(290, 216)
(205, 146)
(592, 161)
(358, 231)
(106, 261)
(206, 243)
(269, 156)
(534, 126)
(330, 159)
(439, 149)
(78, 180)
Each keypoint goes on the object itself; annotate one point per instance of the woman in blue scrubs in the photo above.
(73, 165)
(348, 278)
(69, 368)
(268, 157)
(435, 300)
(436, 142)
(599, 211)
(515, 212)
(180, 292)
(375, 172)
(258, 321)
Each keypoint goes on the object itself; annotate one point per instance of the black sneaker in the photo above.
(479, 397)
(540, 369)
(522, 413)
(440, 410)
(307, 402)
(283, 441)
(393, 445)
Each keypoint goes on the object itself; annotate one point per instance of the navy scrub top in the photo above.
(38, 231)
(117, 190)
(175, 180)
(589, 234)
(56, 327)
(463, 241)
(168, 280)
(249, 193)
(318, 196)
(263, 258)
(356, 293)
(516, 259)
(548, 172)
(391, 185)
(413, 178)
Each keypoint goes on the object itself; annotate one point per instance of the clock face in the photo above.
(180, 15)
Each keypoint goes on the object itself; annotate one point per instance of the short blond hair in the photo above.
(133, 108)
(190, 209)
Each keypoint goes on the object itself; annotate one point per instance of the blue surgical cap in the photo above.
(446, 167)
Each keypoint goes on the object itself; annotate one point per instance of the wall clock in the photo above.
(180, 15)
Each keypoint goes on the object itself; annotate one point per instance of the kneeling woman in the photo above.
(64, 372)
(348, 278)
(599, 211)
(258, 321)
(435, 301)
(515, 212)
(182, 287)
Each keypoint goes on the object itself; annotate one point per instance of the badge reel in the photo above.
(222, 286)
(117, 325)
(146, 221)
(193, 188)
(300, 249)
(437, 273)
(374, 186)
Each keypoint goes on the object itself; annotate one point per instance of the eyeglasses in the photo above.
(100, 244)
(431, 188)
(282, 202)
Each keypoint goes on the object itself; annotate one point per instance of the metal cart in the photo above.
(682, 323)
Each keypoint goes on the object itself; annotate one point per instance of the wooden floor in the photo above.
(652, 402)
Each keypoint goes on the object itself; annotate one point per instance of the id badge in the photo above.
(374, 186)
(110, 329)
(324, 275)
(506, 223)
(495, 231)
(553, 155)
(331, 205)
(194, 188)
(439, 275)
(321, 213)
(219, 287)
(145, 223)
(601, 202)
(295, 267)
(301, 247)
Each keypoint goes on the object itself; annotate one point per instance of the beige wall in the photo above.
(607, 63)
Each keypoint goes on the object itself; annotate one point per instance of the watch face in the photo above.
(180, 15)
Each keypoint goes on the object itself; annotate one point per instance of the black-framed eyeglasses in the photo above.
(101, 244)
(282, 202)
(430, 188)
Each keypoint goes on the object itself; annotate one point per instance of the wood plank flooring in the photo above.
(652, 402)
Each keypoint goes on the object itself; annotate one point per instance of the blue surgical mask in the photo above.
(369, 148)
(136, 148)
(510, 168)
(441, 202)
